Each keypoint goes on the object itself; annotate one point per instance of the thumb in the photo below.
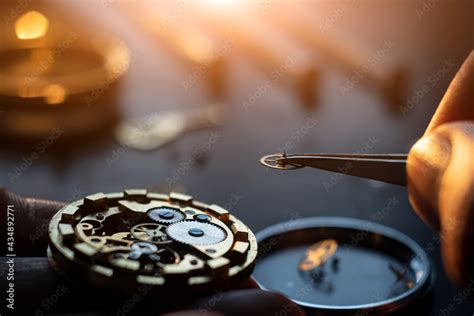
(440, 173)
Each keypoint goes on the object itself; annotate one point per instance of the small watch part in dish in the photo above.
(170, 242)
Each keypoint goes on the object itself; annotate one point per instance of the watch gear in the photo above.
(176, 245)
(150, 232)
(144, 251)
(196, 233)
(165, 215)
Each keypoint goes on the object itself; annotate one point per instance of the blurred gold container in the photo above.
(57, 76)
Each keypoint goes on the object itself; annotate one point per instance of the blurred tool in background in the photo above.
(268, 35)
(389, 79)
(82, 73)
(53, 72)
(281, 58)
(153, 131)
(201, 54)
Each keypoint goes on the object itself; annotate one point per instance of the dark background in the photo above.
(230, 168)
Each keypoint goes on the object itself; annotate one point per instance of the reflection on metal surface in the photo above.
(54, 94)
(156, 130)
(52, 72)
(318, 254)
(401, 276)
(31, 25)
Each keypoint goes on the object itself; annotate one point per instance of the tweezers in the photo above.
(390, 168)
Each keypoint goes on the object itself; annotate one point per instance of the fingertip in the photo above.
(426, 163)
(440, 185)
(456, 104)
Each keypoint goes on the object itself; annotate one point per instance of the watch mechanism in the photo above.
(120, 241)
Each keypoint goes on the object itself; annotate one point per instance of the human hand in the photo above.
(440, 172)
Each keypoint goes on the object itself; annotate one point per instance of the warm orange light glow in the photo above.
(197, 47)
(318, 254)
(29, 91)
(225, 4)
(434, 153)
(41, 61)
(54, 94)
(31, 25)
(222, 2)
